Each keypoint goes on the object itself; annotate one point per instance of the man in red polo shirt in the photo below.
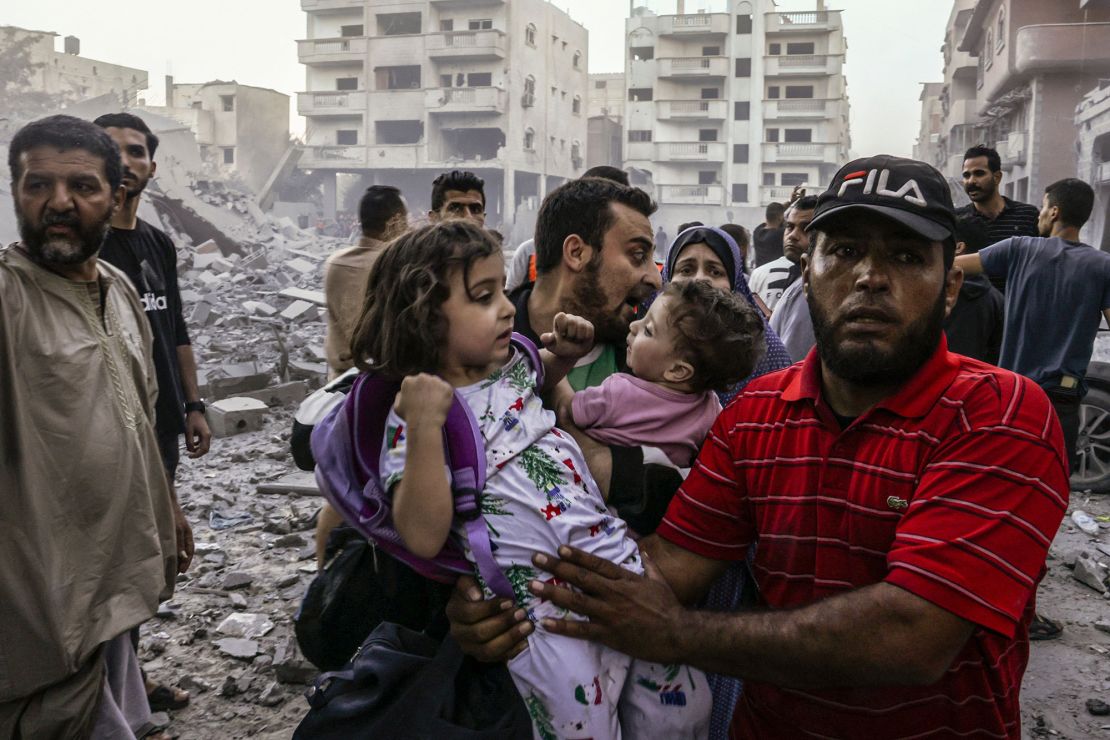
(903, 500)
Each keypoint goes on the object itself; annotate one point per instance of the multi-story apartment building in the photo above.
(1093, 123)
(400, 90)
(729, 111)
(69, 75)
(241, 130)
(1015, 72)
(605, 128)
(927, 148)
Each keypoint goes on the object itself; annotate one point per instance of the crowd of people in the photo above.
(801, 483)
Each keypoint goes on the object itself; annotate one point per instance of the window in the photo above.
(577, 60)
(635, 135)
(711, 51)
(739, 153)
(743, 24)
(768, 178)
(346, 83)
(197, 105)
(576, 153)
(744, 67)
(1001, 40)
(741, 110)
(799, 91)
(707, 177)
(775, 49)
(94, 71)
(530, 34)
(772, 134)
(346, 137)
(641, 53)
(480, 24)
(601, 84)
(529, 139)
(798, 135)
(447, 24)
(988, 47)
(479, 79)
(794, 178)
(707, 134)
(352, 30)
(739, 192)
(576, 106)
(398, 132)
(398, 78)
(445, 80)
(773, 92)
(639, 94)
(227, 103)
(800, 47)
(229, 154)
(529, 98)
(398, 24)
(710, 93)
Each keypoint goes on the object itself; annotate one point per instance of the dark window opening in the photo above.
(743, 24)
(707, 177)
(346, 137)
(707, 134)
(775, 49)
(798, 135)
(772, 134)
(799, 91)
(346, 83)
(773, 92)
(711, 51)
(480, 24)
(642, 53)
(447, 24)
(739, 192)
(398, 132)
(398, 24)
(472, 143)
(229, 155)
(445, 80)
(800, 47)
(710, 93)
(352, 30)
(635, 135)
(768, 178)
(398, 78)
(741, 110)
(227, 102)
(744, 67)
(739, 153)
(479, 79)
(794, 178)
(600, 84)
(639, 94)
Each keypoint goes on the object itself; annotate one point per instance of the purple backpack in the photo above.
(347, 445)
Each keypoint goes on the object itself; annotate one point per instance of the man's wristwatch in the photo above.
(191, 406)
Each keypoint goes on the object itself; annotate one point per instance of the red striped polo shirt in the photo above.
(951, 489)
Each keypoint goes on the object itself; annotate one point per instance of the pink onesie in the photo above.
(625, 410)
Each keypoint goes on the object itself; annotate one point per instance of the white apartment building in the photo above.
(729, 111)
(398, 91)
(69, 75)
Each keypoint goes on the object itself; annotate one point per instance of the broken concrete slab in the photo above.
(236, 415)
(301, 483)
(237, 579)
(280, 395)
(300, 311)
(312, 296)
(259, 308)
(1090, 573)
(245, 625)
(314, 372)
(207, 247)
(238, 648)
(300, 264)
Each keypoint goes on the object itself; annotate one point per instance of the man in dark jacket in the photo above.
(974, 327)
(767, 237)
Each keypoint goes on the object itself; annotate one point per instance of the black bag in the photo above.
(312, 410)
(358, 588)
(404, 684)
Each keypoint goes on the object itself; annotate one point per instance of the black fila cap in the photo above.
(912, 193)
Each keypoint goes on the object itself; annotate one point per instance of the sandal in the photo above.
(1043, 628)
(164, 698)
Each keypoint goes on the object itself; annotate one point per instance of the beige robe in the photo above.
(345, 275)
(86, 525)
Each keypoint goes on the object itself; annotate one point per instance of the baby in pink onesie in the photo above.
(694, 340)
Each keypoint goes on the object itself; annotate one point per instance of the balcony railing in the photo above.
(776, 193)
(489, 44)
(336, 102)
(1011, 150)
(797, 107)
(1103, 172)
(341, 50)
(691, 194)
(802, 21)
(332, 4)
(690, 151)
(465, 100)
(800, 152)
(701, 110)
(696, 24)
(800, 64)
(700, 67)
(333, 157)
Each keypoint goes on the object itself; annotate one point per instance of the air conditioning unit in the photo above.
(528, 100)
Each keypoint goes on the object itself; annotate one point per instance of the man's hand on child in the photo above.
(570, 337)
(424, 399)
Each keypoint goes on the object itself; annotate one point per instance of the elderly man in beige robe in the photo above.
(87, 522)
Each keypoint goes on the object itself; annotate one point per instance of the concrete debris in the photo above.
(237, 579)
(238, 648)
(246, 625)
(1098, 707)
(1090, 572)
(231, 416)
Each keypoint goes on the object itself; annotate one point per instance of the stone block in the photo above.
(316, 373)
(207, 247)
(300, 311)
(201, 260)
(312, 296)
(231, 416)
(259, 308)
(300, 265)
(280, 395)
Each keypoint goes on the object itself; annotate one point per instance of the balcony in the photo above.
(775, 194)
(692, 110)
(312, 5)
(693, 67)
(690, 151)
(332, 157)
(466, 45)
(1102, 173)
(800, 108)
(332, 51)
(800, 152)
(801, 64)
(695, 195)
(698, 24)
(1063, 46)
(1012, 150)
(488, 100)
(803, 22)
(333, 103)
(446, 4)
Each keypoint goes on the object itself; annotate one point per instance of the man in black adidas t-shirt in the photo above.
(149, 259)
(1001, 216)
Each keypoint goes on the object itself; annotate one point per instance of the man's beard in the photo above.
(591, 302)
(50, 250)
(864, 364)
(134, 191)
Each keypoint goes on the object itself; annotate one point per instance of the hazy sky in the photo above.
(892, 46)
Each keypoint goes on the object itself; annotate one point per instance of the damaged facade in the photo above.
(397, 92)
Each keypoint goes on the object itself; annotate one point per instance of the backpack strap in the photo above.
(466, 457)
(529, 350)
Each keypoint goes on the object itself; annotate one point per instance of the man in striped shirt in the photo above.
(903, 500)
